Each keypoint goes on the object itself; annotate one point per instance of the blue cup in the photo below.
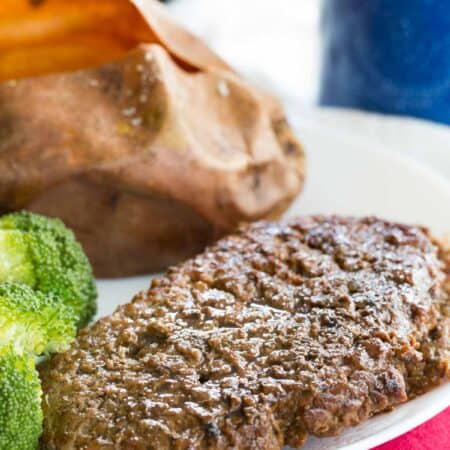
(390, 56)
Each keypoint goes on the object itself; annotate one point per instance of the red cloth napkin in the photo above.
(432, 435)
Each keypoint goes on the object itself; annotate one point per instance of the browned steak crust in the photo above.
(272, 334)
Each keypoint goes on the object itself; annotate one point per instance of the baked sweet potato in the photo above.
(133, 132)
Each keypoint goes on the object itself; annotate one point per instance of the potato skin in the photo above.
(125, 233)
(146, 161)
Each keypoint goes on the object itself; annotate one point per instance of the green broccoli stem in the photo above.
(15, 261)
(34, 322)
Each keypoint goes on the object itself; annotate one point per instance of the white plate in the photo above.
(422, 140)
(347, 175)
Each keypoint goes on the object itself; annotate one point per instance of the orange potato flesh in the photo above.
(61, 35)
(68, 54)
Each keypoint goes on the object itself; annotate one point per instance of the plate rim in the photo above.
(375, 148)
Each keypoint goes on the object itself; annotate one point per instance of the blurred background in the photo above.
(373, 66)
(274, 43)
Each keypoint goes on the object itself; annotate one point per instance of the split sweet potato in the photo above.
(133, 132)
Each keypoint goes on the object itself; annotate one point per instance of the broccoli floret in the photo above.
(44, 254)
(20, 402)
(34, 322)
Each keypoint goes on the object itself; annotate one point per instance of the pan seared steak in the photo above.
(274, 333)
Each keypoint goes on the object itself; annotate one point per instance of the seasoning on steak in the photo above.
(277, 332)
